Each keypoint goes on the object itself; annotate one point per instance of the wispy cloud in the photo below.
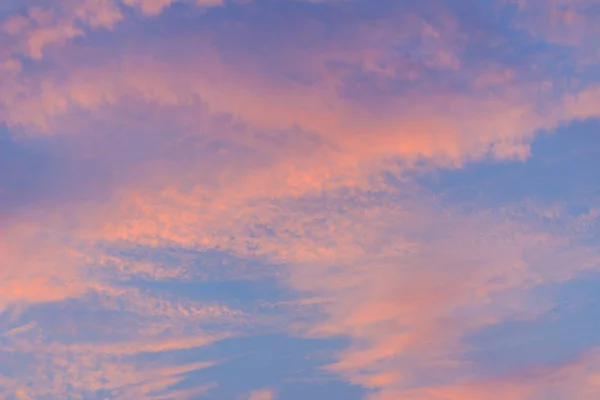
(177, 175)
(262, 394)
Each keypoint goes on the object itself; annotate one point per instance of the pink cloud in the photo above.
(578, 379)
(265, 166)
(66, 20)
(37, 269)
(262, 394)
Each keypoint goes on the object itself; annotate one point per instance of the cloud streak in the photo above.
(155, 149)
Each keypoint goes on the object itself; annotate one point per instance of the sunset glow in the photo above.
(300, 199)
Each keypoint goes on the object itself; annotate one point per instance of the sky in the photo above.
(300, 199)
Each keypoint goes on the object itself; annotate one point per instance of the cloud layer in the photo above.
(179, 177)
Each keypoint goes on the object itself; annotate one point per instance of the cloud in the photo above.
(35, 268)
(89, 346)
(423, 293)
(151, 8)
(578, 379)
(262, 394)
(297, 153)
(43, 26)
